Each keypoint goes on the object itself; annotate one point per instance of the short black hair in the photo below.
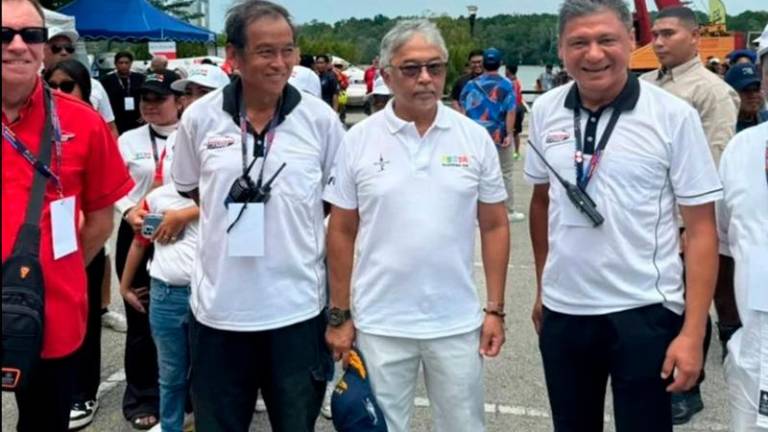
(307, 60)
(323, 57)
(242, 14)
(123, 54)
(474, 53)
(512, 69)
(77, 72)
(682, 13)
(548, 66)
(207, 61)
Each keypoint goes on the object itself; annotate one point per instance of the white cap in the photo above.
(380, 87)
(204, 75)
(305, 80)
(762, 43)
(58, 31)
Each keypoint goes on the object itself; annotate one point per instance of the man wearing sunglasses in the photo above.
(86, 175)
(397, 177)
(61, 46)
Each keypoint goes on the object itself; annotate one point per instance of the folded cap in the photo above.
(72, 35)
(204, 75)
(380, 87)
(353, 406)
(742, 75)
(159, 83)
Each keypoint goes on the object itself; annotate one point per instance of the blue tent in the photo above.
(131, 20)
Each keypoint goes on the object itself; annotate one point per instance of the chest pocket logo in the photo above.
(219, 142)
(142, 155)
(460, 161)
(381, 164)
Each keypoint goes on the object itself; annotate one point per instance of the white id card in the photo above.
(757, 279)
(130, 104)
(63, 228)
(246, 238)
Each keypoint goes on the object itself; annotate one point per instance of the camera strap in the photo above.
(583, 178)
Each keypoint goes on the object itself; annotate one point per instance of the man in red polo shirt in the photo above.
(91, 173)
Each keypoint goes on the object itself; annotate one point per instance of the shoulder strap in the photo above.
(28, 239)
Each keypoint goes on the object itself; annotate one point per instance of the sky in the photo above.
(331, 11)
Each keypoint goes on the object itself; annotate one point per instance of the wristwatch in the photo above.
(337, 316)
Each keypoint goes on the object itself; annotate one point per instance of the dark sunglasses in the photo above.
(65, 86)
(58, 48)
(434, 69)
(30, 35)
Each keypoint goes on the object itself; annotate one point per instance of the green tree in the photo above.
(177, 8)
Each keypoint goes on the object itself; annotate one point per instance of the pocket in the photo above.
(630, 180)
(298, 180)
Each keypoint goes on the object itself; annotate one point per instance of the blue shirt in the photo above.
(487, 99)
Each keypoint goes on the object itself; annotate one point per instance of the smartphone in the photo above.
(150, 224)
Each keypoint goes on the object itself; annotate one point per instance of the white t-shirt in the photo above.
(656, 159)
(172, 263)
(742, 220)
(137, 150)
(100, 101)
(288, 284)
(305, 79)
(417, 200)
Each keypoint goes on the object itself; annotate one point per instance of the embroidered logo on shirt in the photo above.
(461, 161)
(67, 136)
(218, 142)
(142, 156)
(381, 163)
(556, 136)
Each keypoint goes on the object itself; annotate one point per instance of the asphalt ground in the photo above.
(516, 398)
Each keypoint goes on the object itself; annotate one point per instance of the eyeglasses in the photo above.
(30, 35)
(58, 48)
(434, 69)
(67, 86)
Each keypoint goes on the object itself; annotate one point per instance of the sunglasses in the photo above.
(434, 69)
(65, 86)
(58, 48)
(30, 35)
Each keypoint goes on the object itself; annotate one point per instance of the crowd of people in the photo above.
(260, 241)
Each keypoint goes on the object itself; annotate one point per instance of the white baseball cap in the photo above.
(72, 35)
(204, 75)
(762, 43)
(380, 87)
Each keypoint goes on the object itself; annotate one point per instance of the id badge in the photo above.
(63, 228)
(129, 103)
(246, 238)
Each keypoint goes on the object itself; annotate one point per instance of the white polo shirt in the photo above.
(306, 80)
(100, 101)
(417, 200)
(137, 150)
(742, 220)
(656, 159)
(288, 284)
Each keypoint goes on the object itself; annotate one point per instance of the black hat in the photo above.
(159, 83)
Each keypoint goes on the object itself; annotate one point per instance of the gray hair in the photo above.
(403, 32)
(571, 9)
(242, 14)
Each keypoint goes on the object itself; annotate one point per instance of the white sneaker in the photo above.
(115, 321)
(516, 216)
(260, 405)
(325, 410)
(82, 413)
(155, 428)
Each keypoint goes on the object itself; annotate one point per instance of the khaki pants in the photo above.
(506, 161)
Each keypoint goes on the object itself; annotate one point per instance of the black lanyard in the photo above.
(582, 178)
(52, 118)
(126, 90)
(258, 140)
(153, 135)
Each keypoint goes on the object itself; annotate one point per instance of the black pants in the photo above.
(87, 359)
(581, 352)
(290, 365)
(142, 395)
(44, 405)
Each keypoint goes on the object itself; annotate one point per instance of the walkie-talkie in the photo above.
(262, 192)
(578, 197)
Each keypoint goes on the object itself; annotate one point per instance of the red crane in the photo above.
(643, 19)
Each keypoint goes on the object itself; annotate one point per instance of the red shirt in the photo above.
(93, 172)
(370, 78)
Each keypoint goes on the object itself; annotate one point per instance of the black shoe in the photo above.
(685, 405)
(82, 414)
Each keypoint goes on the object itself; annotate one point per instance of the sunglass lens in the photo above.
(67, 86)
(58, 48)
(35, 35)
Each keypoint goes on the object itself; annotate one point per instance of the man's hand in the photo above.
(537, 314)
(170, 228)
(138, 298)
(506, 142)
(135, 218)
(339, 340)
(491, 335)
(683, 362)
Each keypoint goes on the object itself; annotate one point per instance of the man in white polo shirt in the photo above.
(612, 292)
(743, 226)
(259, 287)
(408, 186)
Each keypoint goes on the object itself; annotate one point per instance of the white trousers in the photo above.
(453, 374)
(743, 392)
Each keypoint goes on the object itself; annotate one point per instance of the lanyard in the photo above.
(153, 135)
(582, 178)
(126, 90)
(53, 117)
(244, 139)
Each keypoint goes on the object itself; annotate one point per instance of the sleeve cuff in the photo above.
(338, 202)
(701, 198)
(535, 179)
(116, 197)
